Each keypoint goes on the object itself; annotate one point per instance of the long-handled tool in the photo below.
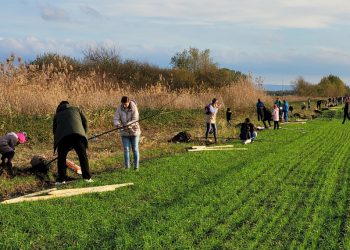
(162, 111)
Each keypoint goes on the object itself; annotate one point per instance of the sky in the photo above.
(277, 40)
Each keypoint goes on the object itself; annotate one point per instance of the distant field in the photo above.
(290, 189)
(278, 87)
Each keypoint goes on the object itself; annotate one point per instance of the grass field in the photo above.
(290, 189)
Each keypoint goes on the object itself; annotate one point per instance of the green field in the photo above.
(290, 189)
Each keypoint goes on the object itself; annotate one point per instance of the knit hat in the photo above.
(22, 136)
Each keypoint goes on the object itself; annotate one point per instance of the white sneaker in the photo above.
(89, 180)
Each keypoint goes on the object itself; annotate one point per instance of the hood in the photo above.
(62, 107)
(132, 106)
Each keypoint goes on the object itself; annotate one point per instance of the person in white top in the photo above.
(211, 110)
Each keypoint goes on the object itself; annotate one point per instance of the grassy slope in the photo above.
(290, 189)
(105, 154)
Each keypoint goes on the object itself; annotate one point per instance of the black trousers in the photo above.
(260, 114)
(64, 146)
(346, 115)
(265, 123)
(213, 127)
(7, 156)
(276, 125)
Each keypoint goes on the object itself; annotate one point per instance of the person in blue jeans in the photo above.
(210, 111)
(126, 117)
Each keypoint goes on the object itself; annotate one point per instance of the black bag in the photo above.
(181, 137)
(245, 132)
(39, 164)
(207, 109)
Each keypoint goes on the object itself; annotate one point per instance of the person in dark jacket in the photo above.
(260, 109)
(245, 131)
(228, 117)
(7, 149)
(69, 129)
(248, 131)
(346, 109)
(319, 102)
(267, 117)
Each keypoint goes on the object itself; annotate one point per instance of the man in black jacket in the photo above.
(69, 129)
(267, 117)
(346, 109)
(248, 131)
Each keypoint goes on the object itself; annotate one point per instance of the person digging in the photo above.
(69, 129)
(7, 149)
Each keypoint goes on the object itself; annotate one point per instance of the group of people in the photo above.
(70, 132)
(70, 129)
(279, 112)
(335, 101)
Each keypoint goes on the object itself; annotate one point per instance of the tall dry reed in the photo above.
(37, 89)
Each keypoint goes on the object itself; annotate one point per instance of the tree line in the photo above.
(330, 85)
(190, 68)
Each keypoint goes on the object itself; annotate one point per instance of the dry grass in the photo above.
(294, 98)
(37, 89)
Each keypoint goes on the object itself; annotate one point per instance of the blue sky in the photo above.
(277, 40)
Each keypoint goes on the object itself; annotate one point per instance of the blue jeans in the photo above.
(253, 135)
(133, 142)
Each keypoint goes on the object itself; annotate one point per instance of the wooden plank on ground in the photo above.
(293, 123)
(215, 149)
(42, 192)
(53, 194)
(19, 199)
(220, 146)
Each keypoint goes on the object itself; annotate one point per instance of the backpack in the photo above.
(207, 110)
(39, 164)
(245, 132)
(181, 137)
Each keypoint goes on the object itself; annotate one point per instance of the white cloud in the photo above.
(284, 65)
(90, 11)
(30, 47)
(272, 13)
(52, 13)
(314, 57)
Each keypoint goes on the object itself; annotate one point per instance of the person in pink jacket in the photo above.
(275, 117)
(7, 149)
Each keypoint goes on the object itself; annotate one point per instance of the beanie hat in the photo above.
(22, 136)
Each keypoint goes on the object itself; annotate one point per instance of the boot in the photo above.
(10, 170)
(2, 165)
